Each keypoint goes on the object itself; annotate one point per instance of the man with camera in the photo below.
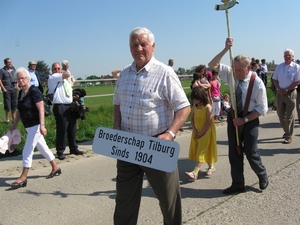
(66, 127)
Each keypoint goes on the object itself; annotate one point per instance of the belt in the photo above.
(62, 104)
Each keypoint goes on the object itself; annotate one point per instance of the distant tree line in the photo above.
(43, 68)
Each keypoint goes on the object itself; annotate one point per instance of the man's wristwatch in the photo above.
(246, 119)
(171, 133)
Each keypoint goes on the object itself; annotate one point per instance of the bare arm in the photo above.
(16, 121)
(240, 121)
(283, 91)
(65, 75)
(193, 121)
(206, 86)
(215, 62)
(279, 90)
(2, 86)
(40, 107)
(207, 124)
(199, 83)
(179, 119)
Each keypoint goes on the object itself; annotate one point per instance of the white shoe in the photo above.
(191, 175)
(210, 171)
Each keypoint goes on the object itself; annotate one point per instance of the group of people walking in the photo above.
(260, 68)
(28, 106)
(149, 100)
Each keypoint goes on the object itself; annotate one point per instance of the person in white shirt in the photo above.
(148, 100)
(264, 72)
(286, 79)
(66, 126)
(249, 133)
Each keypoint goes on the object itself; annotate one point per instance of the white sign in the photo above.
(138, 149)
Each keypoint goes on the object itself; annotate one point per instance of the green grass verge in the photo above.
(100, 114)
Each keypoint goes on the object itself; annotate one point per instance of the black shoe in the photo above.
(16, 185)
(61, 156)
(263, 183)
(56, 173)
(76, 152)
(232, 190)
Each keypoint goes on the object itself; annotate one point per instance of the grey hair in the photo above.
(142, 30)
(288, 50)
(244, 59)
(24, 70)
(64, 63)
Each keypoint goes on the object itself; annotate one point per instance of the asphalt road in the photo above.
(85, 191)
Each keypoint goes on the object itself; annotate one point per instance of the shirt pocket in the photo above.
(291, 74)
(148, 99)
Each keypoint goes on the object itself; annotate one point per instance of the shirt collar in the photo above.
(146, 67)
(248, 76)
(291, 64)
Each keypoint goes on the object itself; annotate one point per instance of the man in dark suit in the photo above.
(36, 78)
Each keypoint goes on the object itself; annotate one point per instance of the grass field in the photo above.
(94, 101)
(101, 114)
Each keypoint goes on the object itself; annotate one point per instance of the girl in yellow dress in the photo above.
(203, 146)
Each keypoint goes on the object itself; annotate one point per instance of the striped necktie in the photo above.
(239, 97)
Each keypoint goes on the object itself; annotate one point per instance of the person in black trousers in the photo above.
(66, 127)
(9, 87)
(248, 136)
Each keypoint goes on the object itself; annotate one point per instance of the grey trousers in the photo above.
(129, 190)
(298, 105)
(286, 105)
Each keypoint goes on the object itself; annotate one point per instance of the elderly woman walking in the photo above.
(31, 113)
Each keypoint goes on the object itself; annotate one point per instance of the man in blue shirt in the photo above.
(36, 77)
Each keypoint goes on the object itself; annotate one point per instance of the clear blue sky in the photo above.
(93, 34)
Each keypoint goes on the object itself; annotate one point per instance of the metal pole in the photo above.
(233, 82)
